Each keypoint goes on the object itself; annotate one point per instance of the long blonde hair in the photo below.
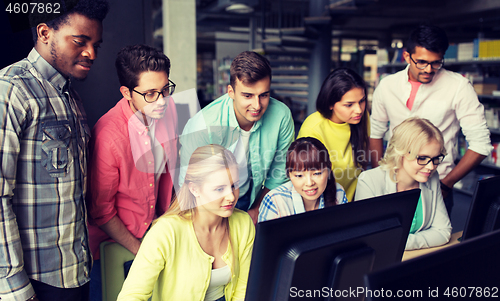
(408, 138)
(204, 161)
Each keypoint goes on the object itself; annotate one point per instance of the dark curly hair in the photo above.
(92, 9)
(135, 59)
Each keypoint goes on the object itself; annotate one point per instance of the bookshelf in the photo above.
(222, 75)
(290, 81)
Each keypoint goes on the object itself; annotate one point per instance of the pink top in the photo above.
(122, 171)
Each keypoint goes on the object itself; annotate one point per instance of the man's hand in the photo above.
(115, 229)
(254, 210)
(444, 193)
(469, 161)
(33, 298)
(376, 151)
(254, 214)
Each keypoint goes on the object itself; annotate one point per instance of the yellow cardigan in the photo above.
(171, 254)
(336, 138)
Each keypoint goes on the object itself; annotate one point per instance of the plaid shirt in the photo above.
(284, 201)
(43, 136)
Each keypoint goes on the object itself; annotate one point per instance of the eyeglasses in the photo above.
(424, 160)
(421, 64)
(154, 95)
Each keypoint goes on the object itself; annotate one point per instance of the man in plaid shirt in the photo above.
(44, 253)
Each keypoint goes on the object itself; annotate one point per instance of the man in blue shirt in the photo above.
(255, 127)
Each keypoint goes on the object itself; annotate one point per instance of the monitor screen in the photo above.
(324, 253)
(465, 271)
(484, 211)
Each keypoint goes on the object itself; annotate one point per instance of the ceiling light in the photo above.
(239, 8)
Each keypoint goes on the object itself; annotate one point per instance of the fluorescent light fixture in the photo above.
(239, 8)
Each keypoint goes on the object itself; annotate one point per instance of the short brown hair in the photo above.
(249, 67)
(133, 60)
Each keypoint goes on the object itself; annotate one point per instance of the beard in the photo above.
(57, 63)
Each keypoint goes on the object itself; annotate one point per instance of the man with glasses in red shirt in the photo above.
(425, 89)
(133, 153)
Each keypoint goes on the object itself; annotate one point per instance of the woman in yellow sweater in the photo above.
(341, 124)
(201, 248)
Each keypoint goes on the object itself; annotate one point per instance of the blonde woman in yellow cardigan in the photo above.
(201, 248)
(341, 123)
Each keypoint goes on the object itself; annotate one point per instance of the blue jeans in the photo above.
(95, 282)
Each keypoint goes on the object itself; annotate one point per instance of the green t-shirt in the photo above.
(418, 218)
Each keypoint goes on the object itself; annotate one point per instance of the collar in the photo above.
(47, 71)
(337, 125)
(298, 203)
(133, 118)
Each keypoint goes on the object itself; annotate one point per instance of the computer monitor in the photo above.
(466, 271)
(484, 211)
(319, 253)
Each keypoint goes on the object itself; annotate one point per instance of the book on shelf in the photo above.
(491, 116)
(382, 56)
(398, 55)
(475, 50)
(465, 51)
(451, 53)
(493, 157)
(489, 49)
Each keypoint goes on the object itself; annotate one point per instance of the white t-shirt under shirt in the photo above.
(241, 153)
(158, 152)
(218, 280)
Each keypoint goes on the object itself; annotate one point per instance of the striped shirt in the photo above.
(285, 200)
(44, 136)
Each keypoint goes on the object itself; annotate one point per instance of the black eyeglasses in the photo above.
(424, 160)
(421, 64)
(154, 95)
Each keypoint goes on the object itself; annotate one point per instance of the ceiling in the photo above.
(360, 19)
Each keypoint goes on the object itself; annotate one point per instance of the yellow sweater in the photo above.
(336, 138)
(171, 254)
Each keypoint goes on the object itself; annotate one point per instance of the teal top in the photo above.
(269, 140)
(418, 218)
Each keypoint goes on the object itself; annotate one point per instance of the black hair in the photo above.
(428, 36)
(134, 59)
(249, 67)
(308, 153)
(336, 85)
(92, 9)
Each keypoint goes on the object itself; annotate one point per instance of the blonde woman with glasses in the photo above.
(201, 248)
(415, 150)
